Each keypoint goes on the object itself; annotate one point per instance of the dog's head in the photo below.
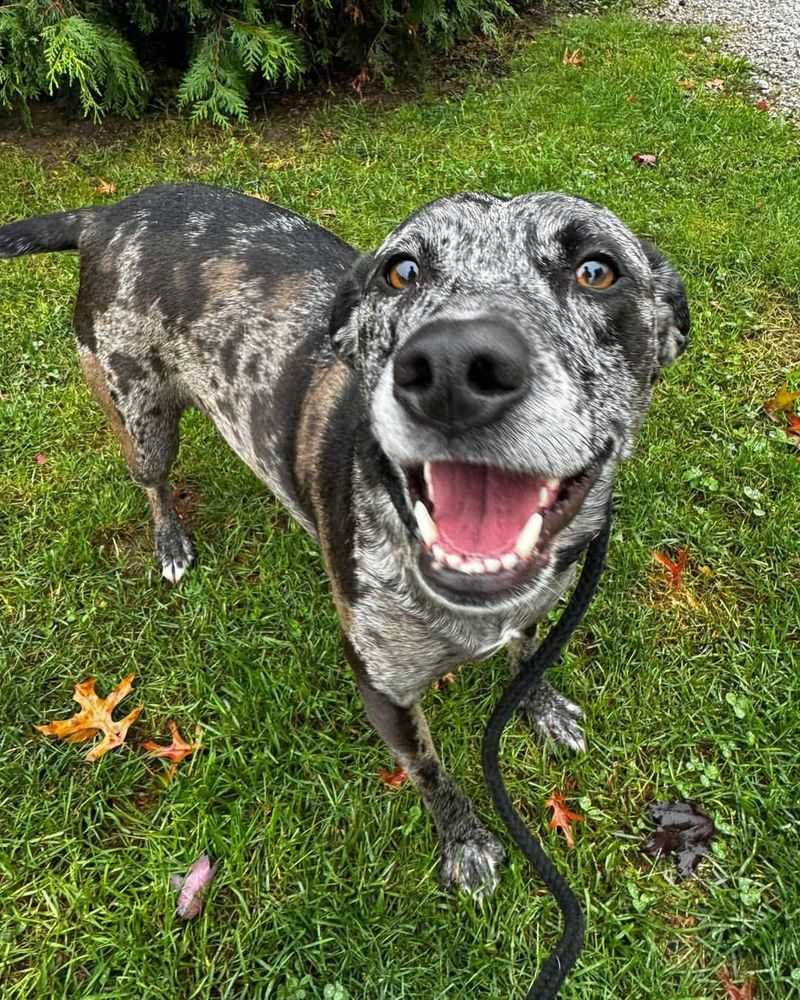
(506, 351)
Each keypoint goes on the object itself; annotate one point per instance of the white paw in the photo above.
(173, 570)
(559, 720)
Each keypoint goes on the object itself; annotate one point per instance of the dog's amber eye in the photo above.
(595, 274)
(402, 273)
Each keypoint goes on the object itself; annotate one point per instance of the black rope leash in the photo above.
(558, 964)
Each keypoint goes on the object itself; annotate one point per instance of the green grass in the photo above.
(326, 877)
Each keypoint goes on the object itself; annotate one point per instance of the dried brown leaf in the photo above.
(733, 992)
(645, 159)
(573, 58)
(94, 718)
(106, 187)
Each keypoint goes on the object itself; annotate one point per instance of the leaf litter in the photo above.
(682, 830)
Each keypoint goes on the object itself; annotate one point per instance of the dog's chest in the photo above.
(407, 641)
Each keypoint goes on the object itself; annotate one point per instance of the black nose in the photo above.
(457, 374)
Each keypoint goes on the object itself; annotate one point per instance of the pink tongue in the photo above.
(479, 510)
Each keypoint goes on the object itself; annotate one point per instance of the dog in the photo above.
(445, 415)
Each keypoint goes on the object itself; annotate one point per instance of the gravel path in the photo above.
(766, 32)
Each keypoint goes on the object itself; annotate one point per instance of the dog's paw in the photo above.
(555, 717)
(174, 551)
(470, 861)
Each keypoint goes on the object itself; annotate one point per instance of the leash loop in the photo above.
(559, 963)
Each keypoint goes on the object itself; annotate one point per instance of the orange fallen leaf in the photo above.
(676, 568)
(443, 681)
(394, 779)
(574, 58)
(762, 104)
(792, 428)
(106, 187)
(95, 717)
(176, 751)
(563, 818)
(716, 84)
(732, 991)
(782, 402)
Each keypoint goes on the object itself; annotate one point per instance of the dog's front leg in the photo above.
(551, 714)
(471, 854)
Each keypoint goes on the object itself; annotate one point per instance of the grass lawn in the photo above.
(326, 886)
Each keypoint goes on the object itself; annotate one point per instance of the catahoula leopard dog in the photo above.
(445, 415)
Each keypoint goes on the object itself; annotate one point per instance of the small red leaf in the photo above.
(106, 187)
(40, 458)
(792, 428)
(732, 991)
(563, 818)
(394, 779)
(645, 159)
(762, 104)
(176, 751)
(676, 568)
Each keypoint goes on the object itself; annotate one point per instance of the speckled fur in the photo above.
(285, 336)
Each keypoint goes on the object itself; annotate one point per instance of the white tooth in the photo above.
(427, 528)
(437, 565)
(544, 496)
(454, 560)
(509, 560)
(426, 472)
(553, 483)
(439, 553)
(529, 536)
(493, 565)
(473, 566)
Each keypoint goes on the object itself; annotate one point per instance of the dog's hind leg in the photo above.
(144, 413)
(471, 854)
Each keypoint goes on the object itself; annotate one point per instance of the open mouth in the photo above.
(485, 529)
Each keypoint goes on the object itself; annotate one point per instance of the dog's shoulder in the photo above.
(329, 420)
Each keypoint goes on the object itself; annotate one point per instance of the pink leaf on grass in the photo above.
(193, 887)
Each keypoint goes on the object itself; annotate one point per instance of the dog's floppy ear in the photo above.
(672, 306)
(343, 334)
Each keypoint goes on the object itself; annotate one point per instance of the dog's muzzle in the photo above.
(460, 374)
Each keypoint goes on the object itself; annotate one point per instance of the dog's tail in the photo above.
(44, 233)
